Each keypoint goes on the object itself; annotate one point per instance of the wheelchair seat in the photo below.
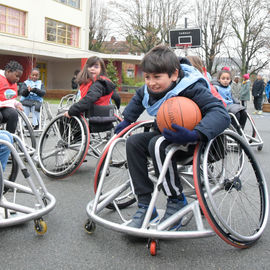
(101, 118)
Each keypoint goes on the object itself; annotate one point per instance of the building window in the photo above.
(72, 3)
(12, 21)
(62, 33)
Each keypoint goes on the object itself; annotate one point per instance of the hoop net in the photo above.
(183, 45)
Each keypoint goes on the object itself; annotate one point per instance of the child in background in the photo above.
(165, 77)
(95, 87)
(8, 93)
(93, 77)
(223, 87)
(197, 63)
(236, 87)
(267, 91)
(245, 90)
(32, 92)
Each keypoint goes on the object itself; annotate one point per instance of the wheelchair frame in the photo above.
(16, 209)
(249, 133)
(208, 183)
(45, 117)
(26, 133)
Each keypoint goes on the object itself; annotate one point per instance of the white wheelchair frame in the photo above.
(108, 200)
(40, 202)
(251, 136)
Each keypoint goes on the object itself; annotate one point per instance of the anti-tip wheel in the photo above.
(90, 226)
(40, 227)
(153, 247)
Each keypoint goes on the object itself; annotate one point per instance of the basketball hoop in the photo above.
(183, 46)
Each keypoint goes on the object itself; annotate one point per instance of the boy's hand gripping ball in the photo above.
(178, 110)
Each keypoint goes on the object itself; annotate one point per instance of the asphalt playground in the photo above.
(66, 245)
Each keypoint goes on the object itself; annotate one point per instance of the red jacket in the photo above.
(4, 86)
(98, 93)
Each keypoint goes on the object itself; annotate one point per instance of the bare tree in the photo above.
(146, 23)
(97, 26)
(212, 16)
(249, 21)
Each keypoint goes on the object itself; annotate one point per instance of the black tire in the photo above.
(63, 146)
(236, 202)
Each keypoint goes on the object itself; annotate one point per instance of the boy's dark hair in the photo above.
(84, 75)
(13, 66)
(222, 72)
(161, 59)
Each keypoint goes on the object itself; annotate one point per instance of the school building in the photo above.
(51, 35)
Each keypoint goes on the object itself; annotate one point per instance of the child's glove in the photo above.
(121, 126)
(181, 135)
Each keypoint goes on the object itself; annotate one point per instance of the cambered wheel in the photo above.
(236, 202)
(63, 146)
(11, 171)
(40, 226)
(117, 171)
(26, 133)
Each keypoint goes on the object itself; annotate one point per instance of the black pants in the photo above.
(244, 103)
(242, 118)
(258, 103)
(9, 116)
(152, 144)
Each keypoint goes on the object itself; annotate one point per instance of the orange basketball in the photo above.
(178, 110)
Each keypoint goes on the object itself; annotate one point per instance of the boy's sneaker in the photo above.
(140, 214)
(255, 112)
(173, 206)
(259, 112)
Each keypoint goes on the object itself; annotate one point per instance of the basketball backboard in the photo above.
(180, 38)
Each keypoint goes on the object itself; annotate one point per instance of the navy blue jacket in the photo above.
(215, 118)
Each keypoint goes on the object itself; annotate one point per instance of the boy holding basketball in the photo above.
(165, 77)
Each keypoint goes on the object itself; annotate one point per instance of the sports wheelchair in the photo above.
(249, 132)
(26, 198)
(45, 117)
(26, 133)
(65, 142)
(223, 182)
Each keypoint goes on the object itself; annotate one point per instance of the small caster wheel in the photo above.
(260, 148)
(90, 226)
(40, 226)
(153, 246)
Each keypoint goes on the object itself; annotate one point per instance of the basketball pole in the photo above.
(186, 47)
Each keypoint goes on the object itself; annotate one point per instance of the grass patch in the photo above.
(52, 101)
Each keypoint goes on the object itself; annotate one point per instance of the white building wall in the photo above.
(37, 11)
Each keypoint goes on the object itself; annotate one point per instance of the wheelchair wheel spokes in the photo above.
(117, 169)
(11, 170)
(116, 174)
(236, 204)
(63, 146)
(25, 131)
